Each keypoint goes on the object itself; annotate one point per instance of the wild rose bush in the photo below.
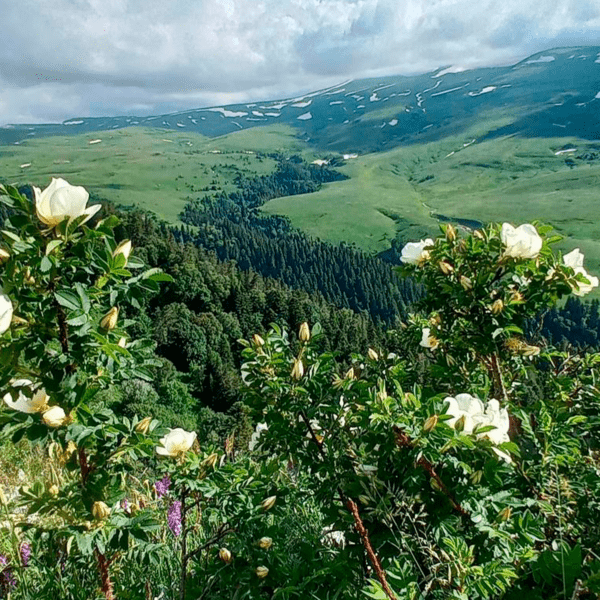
(472, 486)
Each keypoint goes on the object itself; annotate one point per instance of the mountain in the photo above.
(555, 93)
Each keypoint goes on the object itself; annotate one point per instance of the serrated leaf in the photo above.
(52, 244)
(67, 299)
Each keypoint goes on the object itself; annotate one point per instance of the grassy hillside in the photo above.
(156, 169)
(504, 179)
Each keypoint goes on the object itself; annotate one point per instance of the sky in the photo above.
(61, 59)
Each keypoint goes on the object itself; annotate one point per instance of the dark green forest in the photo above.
(235, 272)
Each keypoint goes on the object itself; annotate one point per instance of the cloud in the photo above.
(77, 57)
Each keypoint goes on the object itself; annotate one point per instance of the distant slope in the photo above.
(551, 94)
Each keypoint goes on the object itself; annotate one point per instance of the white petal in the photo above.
(6, 312)
(574, 259)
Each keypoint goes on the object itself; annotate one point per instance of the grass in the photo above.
(158, 170)
(506, 179)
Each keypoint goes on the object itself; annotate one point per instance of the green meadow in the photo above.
(505, 179)
(159, 170)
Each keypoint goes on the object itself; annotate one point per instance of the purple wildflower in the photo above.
(7, 579)
(125, 505)
(162, 486)
(174, 518)
(25, 553)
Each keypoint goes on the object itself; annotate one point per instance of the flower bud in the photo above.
(123, 248)
(262, 572)
(304, 334)
(479, 234)
(530, 350)
(450, 233)
(466, 283)
(505, 514)
(122, 342)
(268, 503)
(28, 278)
(476, 476)
(460, 424)
(257, 340)
(225, 556)
(265, 543)
(298, 369)
(516, 297)
(350, 374)
(109, 321)
(446, 268)
(54, 417)
(18, 321)
(100, 511)
(372, 354)
(497, 307)
(53, 490)
(210, 461)
(4, 255)
(143, 426)
(430, 423)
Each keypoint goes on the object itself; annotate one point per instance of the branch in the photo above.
(223, 531)
(404, 441)
(364, 534)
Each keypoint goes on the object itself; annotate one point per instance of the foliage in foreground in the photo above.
(358, 482)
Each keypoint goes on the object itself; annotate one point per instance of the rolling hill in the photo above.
(513, 143)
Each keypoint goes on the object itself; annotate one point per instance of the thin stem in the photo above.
(364, 536)
(223, 531)
(184, 555)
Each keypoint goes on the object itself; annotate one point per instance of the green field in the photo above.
(158, 170)
(508, 179)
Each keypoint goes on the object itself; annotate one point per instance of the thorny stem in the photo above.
(223, 531)
(364, 535)
(358, 524)
(404, 441)
(496, 373)
(107, 584)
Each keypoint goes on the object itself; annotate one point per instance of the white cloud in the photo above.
(73, 57)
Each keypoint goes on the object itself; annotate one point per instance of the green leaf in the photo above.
(67, 299)
(52, 244)
(45, 264)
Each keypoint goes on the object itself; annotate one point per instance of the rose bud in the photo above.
(298, 370)
(100, 511)
(54, 417)
(304, 334)
(265, 543)
(143, 426)
(268, 503)
(262, 572)
(225, 556)
(109, 321)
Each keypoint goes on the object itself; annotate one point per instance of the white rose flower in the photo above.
(176, 443)
(254, 439)
(522, 242)
(37, 403)
(60, 200)
(414, 253)
(54, 417)
(575, 260)
(6, 312)
(476, 414)
(428, 340)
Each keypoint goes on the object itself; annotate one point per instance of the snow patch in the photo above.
(275, 106)
(72, 122)
(432, 88)
(374, 97)
(305, 117)
(257, 113)
(349, 156)
(451, 153)
(597, 96)
(383, 87)
(360, 106)
(541, 59)
(393, 122)
(559, 125)
(25, 165)
(237, 124)
(405, 93)
(194, 122)
(270, 114)
(565, 151)
(448, 91)
(228, 113)
(180, 125)
(485, 90)
(336, 102)
(427, 126)
(302, 104)
(94, 141)
(453, 69)
(320, 162)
